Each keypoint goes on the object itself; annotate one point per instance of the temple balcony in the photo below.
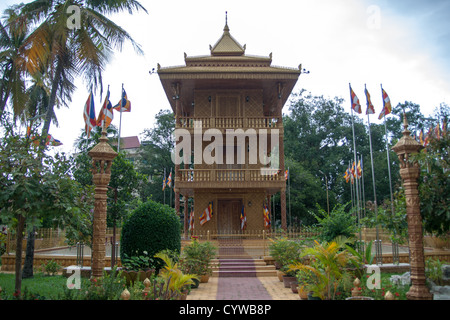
(228, 123)
(264, 178)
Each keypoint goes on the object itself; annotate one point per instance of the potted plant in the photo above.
(326, 266)
(177, 281)
(304, 278)
(284, 252)
(136, 268)
(196, 259)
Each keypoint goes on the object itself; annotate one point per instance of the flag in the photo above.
(355, 101)
(370, 108)
(52, 141)
(169, 180)
(243, 218)
(266, 217)
(207, 214)
(437, 132)
(191, 221)
(286, 174)
(164, 182)
(422, 142)
(386, 105)
(106, 112)
(347, 175)
(89, 115)
(359, 169)
(124, 104)
(353, 172)
(427, 137)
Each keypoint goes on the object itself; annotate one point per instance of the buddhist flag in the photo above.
(437, 131)
(370, 108)
(191, 221)
(355, 101)
(422, 142)
(169, 180)
(124, 104)
(386, 105)
(207, 214)
(286, 174)
(359, 169)
(444, 127)
(266, 217)
(347, 175)
(243, 218)
(106, 112)
(52, 141)
(89, 115)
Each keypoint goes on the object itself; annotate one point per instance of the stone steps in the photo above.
(242, 267)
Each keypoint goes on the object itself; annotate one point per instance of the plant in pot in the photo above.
(196, 259)
(284, 252)
(176, 280)
(136, 268)
(327, 267)
(304, 279)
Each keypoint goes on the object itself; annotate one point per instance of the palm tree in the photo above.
(68, 53)
(13, 32)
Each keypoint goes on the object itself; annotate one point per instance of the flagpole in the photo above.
(120, 122)
(164, 183)
(394, 244)
(363, 193)
(378, 253)
(354, 148)
(289, 193)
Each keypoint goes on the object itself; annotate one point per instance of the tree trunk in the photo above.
(29, 256)
(18, 271)
(28, 265)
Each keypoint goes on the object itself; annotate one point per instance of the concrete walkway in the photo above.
(242, 288)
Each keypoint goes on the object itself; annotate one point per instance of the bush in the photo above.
(151, 228)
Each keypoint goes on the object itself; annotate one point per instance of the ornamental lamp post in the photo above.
(410, 172)
(102, 157)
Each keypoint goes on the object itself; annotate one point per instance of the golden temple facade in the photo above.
(214, 96)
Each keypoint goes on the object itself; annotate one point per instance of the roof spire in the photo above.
(226, 29)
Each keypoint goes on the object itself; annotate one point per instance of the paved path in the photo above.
(241, 288)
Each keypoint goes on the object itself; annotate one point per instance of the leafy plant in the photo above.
(327, 266)
(51, 267)
(196, 257)
(433, 271)
(136, 263)
(285, 252)
(337, 223)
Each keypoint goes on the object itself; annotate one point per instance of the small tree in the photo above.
(33, 185)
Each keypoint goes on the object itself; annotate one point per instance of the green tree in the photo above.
(33, 186)
(156, 157)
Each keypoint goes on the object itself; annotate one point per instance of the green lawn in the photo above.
(41, 286)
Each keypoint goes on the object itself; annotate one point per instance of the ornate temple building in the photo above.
(228, 111)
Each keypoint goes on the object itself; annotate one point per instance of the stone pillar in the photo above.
(410, 172)
(102, 156)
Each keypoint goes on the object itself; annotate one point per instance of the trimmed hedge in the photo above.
(152, 227)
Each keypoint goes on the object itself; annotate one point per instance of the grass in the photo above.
(39, 287)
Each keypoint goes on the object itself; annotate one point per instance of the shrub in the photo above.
(151, 228)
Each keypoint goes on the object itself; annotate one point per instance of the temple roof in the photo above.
(227, 45)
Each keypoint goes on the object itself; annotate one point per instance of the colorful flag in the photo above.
(427, 137)
(347, 175)
(355, 101)
(124, 104)
(89, 115)
(164, 182)
(52, 141)
(243, 218)
(386, 105)
(286, 174)
(106, 112)
(169, 180)
(444, 127)
(191, 221)
(422, 142)
(266, 217)
(437, 132)
(207, 214)
(359, 169)
(370, 108)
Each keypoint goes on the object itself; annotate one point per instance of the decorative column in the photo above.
(281, 158)
(177, 166)
(102, 157)
(410, 172)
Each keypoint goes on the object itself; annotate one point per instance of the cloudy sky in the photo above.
(401, 44)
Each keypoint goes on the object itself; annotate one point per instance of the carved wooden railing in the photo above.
(228, 175)
(228, 122)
